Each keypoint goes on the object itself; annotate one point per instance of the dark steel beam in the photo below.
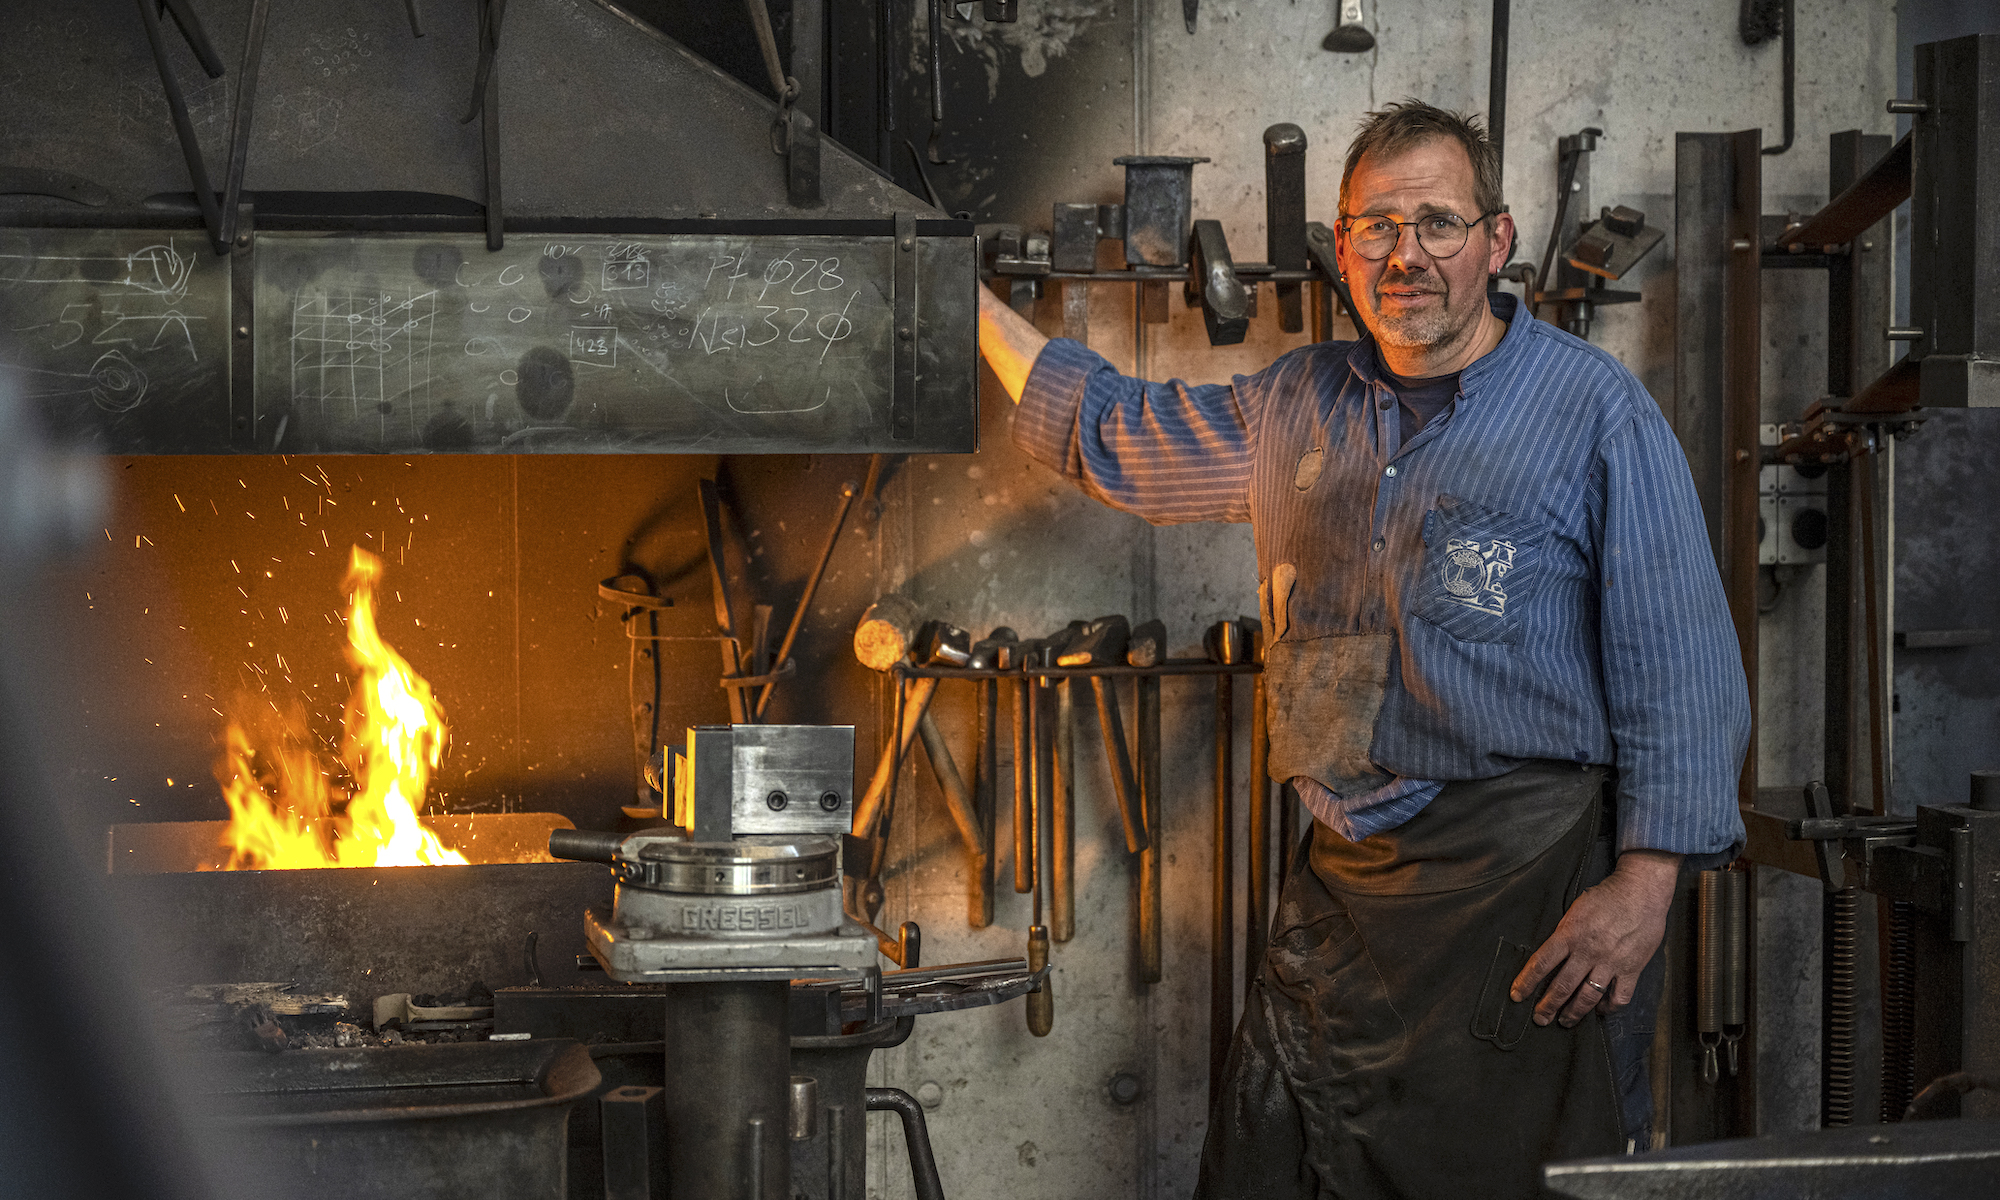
(1869, 196)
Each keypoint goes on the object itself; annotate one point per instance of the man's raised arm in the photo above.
(1011, 345)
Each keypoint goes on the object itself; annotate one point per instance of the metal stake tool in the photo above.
(1149, 859)
(1225, 644)
(1062, 823)
(1041, 1003)
(988, 796)
(1222, 966)
(1024, 785)
(1258, 916)
(847, 494)
(732, 646)
(1131, 810)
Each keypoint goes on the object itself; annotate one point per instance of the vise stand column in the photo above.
(734, 1038)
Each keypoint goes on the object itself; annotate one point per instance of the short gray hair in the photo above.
(1410, 123)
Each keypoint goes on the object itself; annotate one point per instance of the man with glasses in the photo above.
(1501, 675)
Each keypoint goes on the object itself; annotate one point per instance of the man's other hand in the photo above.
(1603, 941)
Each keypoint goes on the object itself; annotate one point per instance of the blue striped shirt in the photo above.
(1600, 636)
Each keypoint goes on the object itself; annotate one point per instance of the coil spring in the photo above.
(1710, 949)
(1899, 1012)
(1721, 930)
(1838, 1033)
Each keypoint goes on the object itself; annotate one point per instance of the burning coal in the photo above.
(281, 794)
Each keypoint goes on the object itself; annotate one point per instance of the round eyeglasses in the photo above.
(1440, 234)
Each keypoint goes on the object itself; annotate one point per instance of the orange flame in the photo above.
(281, 816)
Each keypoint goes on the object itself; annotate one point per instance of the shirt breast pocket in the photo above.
(1479, 570)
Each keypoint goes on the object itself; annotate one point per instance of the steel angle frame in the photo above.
(1715, 411)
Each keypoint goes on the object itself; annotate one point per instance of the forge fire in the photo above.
(285, 801)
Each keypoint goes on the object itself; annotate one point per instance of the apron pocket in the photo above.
(1321, 699)
(1497, 1018)
(1479, 569)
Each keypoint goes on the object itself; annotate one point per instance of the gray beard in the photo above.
(1417, 331)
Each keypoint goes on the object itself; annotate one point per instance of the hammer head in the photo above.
(1102, 643)
(987, 652)
(887, 633)
(1147, 647)
(1225, 643)
(942, 644)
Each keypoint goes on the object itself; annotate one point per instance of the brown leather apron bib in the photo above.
(1379, 1057)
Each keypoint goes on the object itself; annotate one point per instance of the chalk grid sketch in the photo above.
(355, 356)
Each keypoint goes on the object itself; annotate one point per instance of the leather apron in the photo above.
(1379, 1057)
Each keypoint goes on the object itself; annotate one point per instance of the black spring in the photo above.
(1899, 1012)
(1838, 1033)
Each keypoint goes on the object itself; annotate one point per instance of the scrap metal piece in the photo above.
(1073, 234)
(1159, 203)
(1614, 243)
(1285, 216)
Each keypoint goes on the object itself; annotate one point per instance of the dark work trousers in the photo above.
(1379, 1057)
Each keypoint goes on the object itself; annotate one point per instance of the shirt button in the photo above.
(1378, 544)
(1390, 471)
(1383, 404)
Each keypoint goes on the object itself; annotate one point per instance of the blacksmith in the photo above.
(1502, 677)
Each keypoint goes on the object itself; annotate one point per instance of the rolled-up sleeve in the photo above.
(1170, 452)
(1673, 675)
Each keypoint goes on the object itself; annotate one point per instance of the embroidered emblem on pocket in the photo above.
(1473, 570)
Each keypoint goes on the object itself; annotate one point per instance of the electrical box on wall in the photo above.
(1791, 511)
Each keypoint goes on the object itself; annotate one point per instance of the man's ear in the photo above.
(1503, 241)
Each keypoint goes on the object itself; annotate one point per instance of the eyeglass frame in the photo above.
(1345, 221)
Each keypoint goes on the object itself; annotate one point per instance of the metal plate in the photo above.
(1911, 1161)
(805, 764)
(695, 960)
(119, 337)
(395, 342)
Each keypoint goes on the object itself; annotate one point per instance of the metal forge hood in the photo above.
(607, 256)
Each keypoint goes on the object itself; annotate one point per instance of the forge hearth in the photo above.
(365, 931)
